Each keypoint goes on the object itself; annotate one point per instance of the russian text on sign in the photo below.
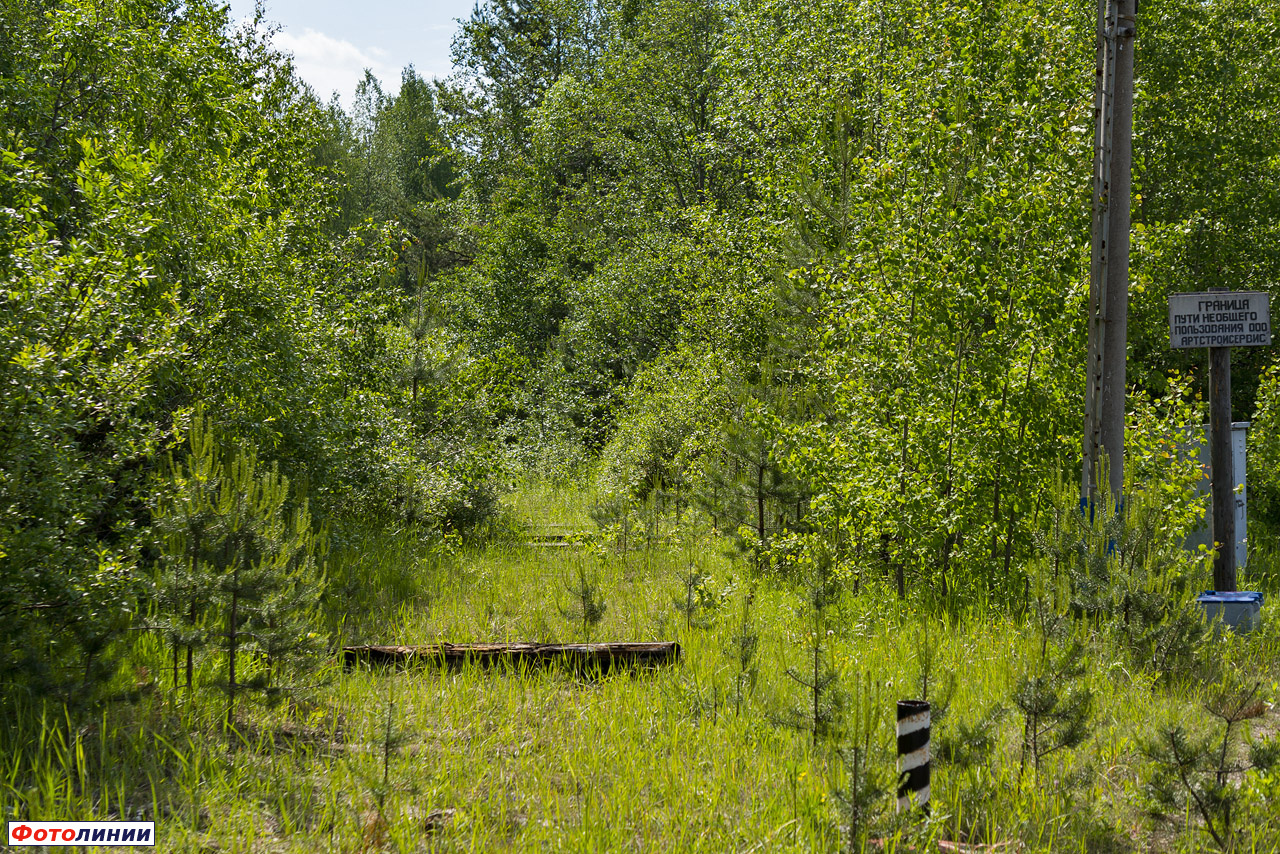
(1220, 319)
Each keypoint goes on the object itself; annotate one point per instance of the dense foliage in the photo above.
(842, 247)
(814, 268)
(179, 228)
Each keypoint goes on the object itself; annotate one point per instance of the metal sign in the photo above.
(1219, 319)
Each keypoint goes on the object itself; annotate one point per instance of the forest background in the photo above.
(813, 272)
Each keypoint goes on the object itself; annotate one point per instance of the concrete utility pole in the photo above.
(1109, 267)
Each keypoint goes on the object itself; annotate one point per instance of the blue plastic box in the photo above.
(1238, 610)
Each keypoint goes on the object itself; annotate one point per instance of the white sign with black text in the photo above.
(1219, 319)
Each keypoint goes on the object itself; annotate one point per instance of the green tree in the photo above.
(515, 50)
(939, 328)
(1206, 173)
(168, 237)
(85, 331)
(241, 565)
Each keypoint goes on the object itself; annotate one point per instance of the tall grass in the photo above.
(659, 761)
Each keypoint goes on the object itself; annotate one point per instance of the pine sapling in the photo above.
(695, 602)
(864, 784)
(271, 585)
(379, 784)
(391, 738)
(823, 710)
(245, 569)
(968, 744)
(940, 702)
(189, 530)
(586, 601)
(1055, 707)
(614, 516)
(1196, 771)
(742, 648)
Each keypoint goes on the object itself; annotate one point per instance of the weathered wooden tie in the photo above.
(583, 657)
(552, 542)
(555, 539)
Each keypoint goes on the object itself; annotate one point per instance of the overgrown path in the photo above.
(721, 752)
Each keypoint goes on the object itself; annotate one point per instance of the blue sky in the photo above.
(333, 42)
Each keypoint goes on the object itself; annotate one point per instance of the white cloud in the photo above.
(330, 64)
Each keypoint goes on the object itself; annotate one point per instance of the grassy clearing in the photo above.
(689, 758)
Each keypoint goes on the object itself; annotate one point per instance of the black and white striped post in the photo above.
(913, 754)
